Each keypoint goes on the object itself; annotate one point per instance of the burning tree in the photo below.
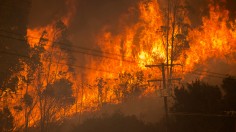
(57, 96)
(10, 47)
(101, 89)
(32, 66)
(50, 76)
(6, 120)
(131, 85)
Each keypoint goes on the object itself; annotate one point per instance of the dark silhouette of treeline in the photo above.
(200, 107)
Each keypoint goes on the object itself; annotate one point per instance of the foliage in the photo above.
(60, 90)
(28, 100)
(13, 20)
(198, 97)
(12, 84)
(198, 105)
(101, 83)
(131, 85)
(65, 43)
(229, 87)
(6, 120)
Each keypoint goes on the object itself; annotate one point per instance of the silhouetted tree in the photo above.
(101, 90)
(13, 21)
(131, 85)
(229, 87)
(57, 96)
(65, 44)
(61, 90)
(197, 105)
(198, 97)
(6, 120)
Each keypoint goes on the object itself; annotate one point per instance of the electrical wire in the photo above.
(200, 114)
(195, 72)
(65, 64)
(66, 44)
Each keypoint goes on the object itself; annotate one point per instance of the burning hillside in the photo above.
(84, 55)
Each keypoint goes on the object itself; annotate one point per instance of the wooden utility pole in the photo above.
(165, 90)
(165, 96)
(167, 67)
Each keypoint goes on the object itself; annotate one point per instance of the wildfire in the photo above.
(125, 54)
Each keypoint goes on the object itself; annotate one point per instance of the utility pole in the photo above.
(167, 67)
(165, 96)
(165, 92)
(164, 88)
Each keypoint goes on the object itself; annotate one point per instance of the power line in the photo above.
(207, 73)
(200, 114)
(196, 72)
(66, 44)
(65, 64)
(75, 51)
(210, 72)
(215, 73)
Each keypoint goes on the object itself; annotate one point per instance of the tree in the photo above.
(130, 85)
(229, 87)
(65, 43)
(61, 90)
(13, 21)
(32, 66)
(101, 90)
(57, 96)
(196, 103)
(124, 85)
(175, 32)
(13, 45)
(198, 97)
(6, 120)
(47, 74)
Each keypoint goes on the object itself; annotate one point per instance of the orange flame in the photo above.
(134, 47)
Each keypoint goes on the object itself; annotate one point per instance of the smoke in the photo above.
(149, 109)
(43, 12)
(200, 8)
(89, 18)
(197, 9)
(230, 5)
(93, 15)
(212, 72)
